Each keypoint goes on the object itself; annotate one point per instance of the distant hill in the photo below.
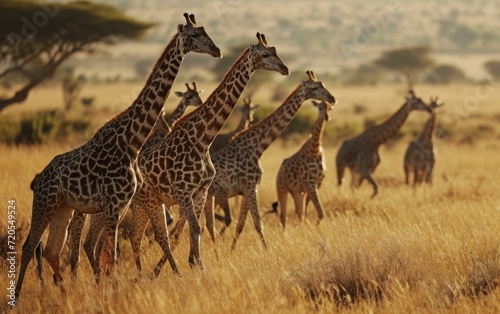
(332, 35)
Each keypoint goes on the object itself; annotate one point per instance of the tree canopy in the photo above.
(409, 61)
(36, 37)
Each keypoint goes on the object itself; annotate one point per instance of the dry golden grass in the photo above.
(409, 250)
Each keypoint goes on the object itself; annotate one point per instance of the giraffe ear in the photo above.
(180, 94)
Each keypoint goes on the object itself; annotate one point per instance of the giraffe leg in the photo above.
(139, 225)
(58, 231)
(249, 204)
(75, 233)
(105, 253)
(177, 230)
(418, 177)
(355, 179)
(428, 173)
(209, 216)
(90, 244)
(254, 211)
(312, 194)
(299, 200)
(158, 218)
(39, 259)
(223, 202)
(187, 206)
(241, 220)
(282, 201)
(366, 175)
(40, 219)
(406, 169)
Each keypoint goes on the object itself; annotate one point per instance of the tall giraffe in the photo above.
(179, 169)
(302, 173)
(102, 175)
(191, 97)
(247, 112)
(237, 165)
(419, 157)
(360, 154)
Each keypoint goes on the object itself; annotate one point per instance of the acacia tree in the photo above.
(36, 38)
(410, 62)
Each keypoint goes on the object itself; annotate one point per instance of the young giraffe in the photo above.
(238, 167)
(360, 154)
(247, 112)
(301, 174)
(102, 175)
(179, 169)
(419, 157)
(191, 97)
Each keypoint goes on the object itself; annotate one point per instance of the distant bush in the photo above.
(445, 74)
(39, 128)
(44, 127)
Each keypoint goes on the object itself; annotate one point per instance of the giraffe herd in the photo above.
(143, 161)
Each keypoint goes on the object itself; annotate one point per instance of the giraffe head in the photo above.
(315, 89)
(191, 97)
(324, 108)
(194, 38)
(435, 104)
(416, 103)
(248, 108)
(264, 57)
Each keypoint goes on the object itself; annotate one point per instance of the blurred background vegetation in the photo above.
(110, 43)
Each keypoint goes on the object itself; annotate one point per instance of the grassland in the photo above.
(430, 249)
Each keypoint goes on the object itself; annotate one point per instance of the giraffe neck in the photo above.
(428, 131)
(315, 140)
(381, 133)
(178, 111)
(262, 134)
(134, 124)
(210, 117)
(244, 122)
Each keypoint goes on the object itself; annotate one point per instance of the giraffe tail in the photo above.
(274, 209)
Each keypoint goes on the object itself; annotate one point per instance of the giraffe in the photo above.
(237, 165)
(191, 97)
(419, 157)
(360, 154)
(247, 112)
(102, 175)
(302, 173)
(179, 169)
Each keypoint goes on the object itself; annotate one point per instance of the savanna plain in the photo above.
(434, 248)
